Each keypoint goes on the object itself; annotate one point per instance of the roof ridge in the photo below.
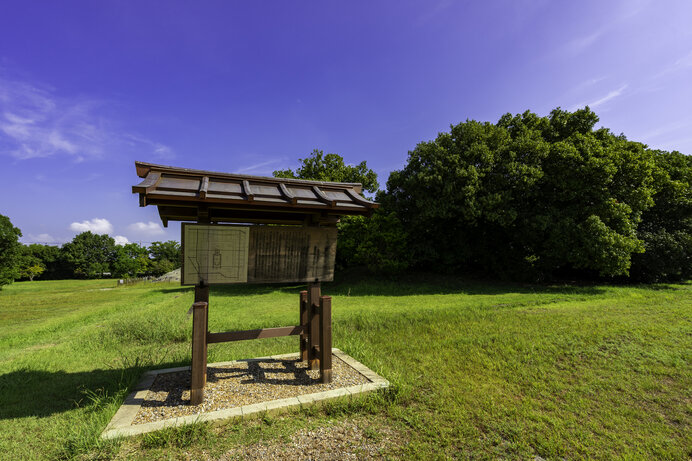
(143, 168)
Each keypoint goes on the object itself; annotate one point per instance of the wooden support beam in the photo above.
(253, 334)
(314, 291)
(326, 339)
(322, 197)
(304, 324)
(287, 194)
(204, 187)
(199, 352)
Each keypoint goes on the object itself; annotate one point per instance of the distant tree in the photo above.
(9, 251)
(52, 259)
(331, 167)
(89, 255)
(28, 265)
(169, 251)
(161, 266)
(165, 257)
(30, 272)
(131, 260)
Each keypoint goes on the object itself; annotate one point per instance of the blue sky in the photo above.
(86, 88)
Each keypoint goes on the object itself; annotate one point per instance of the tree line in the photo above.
(526, 198)
(87, 256)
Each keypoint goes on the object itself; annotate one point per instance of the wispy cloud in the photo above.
(261, 167)
(611, 95)
(683, 62)
(96, 225)
(602, 100)
(622, 16)
(680, 126)
(580, 44)
(36, 122)
(156, 148)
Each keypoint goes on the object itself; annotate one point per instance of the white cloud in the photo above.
(36, 122)
(96, 226)
(121, 240)
(150, 229)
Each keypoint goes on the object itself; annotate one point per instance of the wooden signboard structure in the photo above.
(254, 229)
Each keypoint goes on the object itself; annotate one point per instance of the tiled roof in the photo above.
(183, 194)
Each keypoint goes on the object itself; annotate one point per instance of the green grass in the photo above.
(478, 369)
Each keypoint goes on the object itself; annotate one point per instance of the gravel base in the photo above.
(346, 440)
(241, 383)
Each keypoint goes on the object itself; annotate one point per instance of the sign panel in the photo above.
(291, 254)
(215, 254)
(221, 254)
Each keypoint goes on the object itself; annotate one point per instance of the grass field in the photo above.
(478, 370)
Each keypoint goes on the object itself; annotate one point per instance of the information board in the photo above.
(215, 254)
(225, 254)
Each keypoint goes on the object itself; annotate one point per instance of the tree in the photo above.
(9, 251)
(28, 265)
(377, 242)
(331, 167)
(530, 195)
(51, 259)
(30, 272)
(169, 250)
(166, 256)
(666, 228)
(90, 255)
(131, 260)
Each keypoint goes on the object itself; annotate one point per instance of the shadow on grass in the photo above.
(420, 284)
(40, 393)
(405, 285)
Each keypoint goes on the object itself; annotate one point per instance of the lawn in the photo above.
(478, 369)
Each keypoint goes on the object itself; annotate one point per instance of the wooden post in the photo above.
(326, 339)
(314, 292)
(304, 323)
(200, 321)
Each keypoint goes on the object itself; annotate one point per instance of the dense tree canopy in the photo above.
(9, 251)
(666, 227)
(528, 195)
